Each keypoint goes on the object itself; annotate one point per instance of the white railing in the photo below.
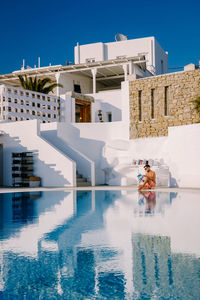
(17, 104)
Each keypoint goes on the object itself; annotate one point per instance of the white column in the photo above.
(94, 72)
(58, 81)
(125, 72)
(131, 68)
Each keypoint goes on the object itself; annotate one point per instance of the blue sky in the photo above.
(51, 29)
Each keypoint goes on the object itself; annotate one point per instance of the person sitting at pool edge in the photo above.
(149, 179)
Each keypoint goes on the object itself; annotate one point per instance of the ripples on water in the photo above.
(99, 245)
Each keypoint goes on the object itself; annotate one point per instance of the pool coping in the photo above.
(97, 188)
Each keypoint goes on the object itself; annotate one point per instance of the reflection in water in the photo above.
(68, 245)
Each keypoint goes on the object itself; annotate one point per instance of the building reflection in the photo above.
(77, 257)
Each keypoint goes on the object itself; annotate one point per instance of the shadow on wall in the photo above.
(41, 169)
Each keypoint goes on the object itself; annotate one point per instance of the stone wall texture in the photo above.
(182, 88)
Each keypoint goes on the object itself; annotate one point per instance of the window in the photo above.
(22, 110)
(16, 110)
(54, 116)
(15, 92)
(49, 107)
(4, 99)
(33, 113)
(49, 116)
(9, 99)
(4, 108)
(77, 88)
(43, 97)
(33, 95)
(38, 113)
(109, 115)
(54, 107)
(33, 104)
(162, 67)
(27, 111)
(27, 94)
(15, 101)
(9, 109)
(27, 103)
(90, 60)
(48, 98)
(22, 102)
(38, 96)
(166, 100)
(21, 93)
(38, 104)
(140, 105)
(152, 104)
(16, 119)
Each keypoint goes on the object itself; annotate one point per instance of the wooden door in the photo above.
(85, 111)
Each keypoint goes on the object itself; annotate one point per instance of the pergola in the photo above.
(109, 73)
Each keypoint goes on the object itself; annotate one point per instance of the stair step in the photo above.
(81, 180)
(86, 183)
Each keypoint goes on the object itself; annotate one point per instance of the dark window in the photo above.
(109, 116)
(152, 104)
(166, 100)
(140, 105)
(77, 88)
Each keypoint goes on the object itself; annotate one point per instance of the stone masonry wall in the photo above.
(182, 88)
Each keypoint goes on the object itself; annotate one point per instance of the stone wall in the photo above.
(172, 105)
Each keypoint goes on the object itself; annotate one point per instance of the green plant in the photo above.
(38, 85)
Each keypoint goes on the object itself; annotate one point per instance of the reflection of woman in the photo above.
(150, 198)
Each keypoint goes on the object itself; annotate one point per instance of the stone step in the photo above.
(86, 183)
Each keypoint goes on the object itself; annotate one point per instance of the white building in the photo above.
(95, 89)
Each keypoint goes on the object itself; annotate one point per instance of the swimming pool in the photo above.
(100, 245)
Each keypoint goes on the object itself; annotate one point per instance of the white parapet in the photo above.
(17, 104)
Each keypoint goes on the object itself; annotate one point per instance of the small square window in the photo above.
(21, 93)
(33, 104)
(38, 104)
(15, 101)
(33, 113)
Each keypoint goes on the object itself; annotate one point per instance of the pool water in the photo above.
(100, 245)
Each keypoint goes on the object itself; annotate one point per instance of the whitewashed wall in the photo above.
(69, 79)
(54, 168)
(179, 151)
(108, 102)
(90, 138)
(147, 46)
